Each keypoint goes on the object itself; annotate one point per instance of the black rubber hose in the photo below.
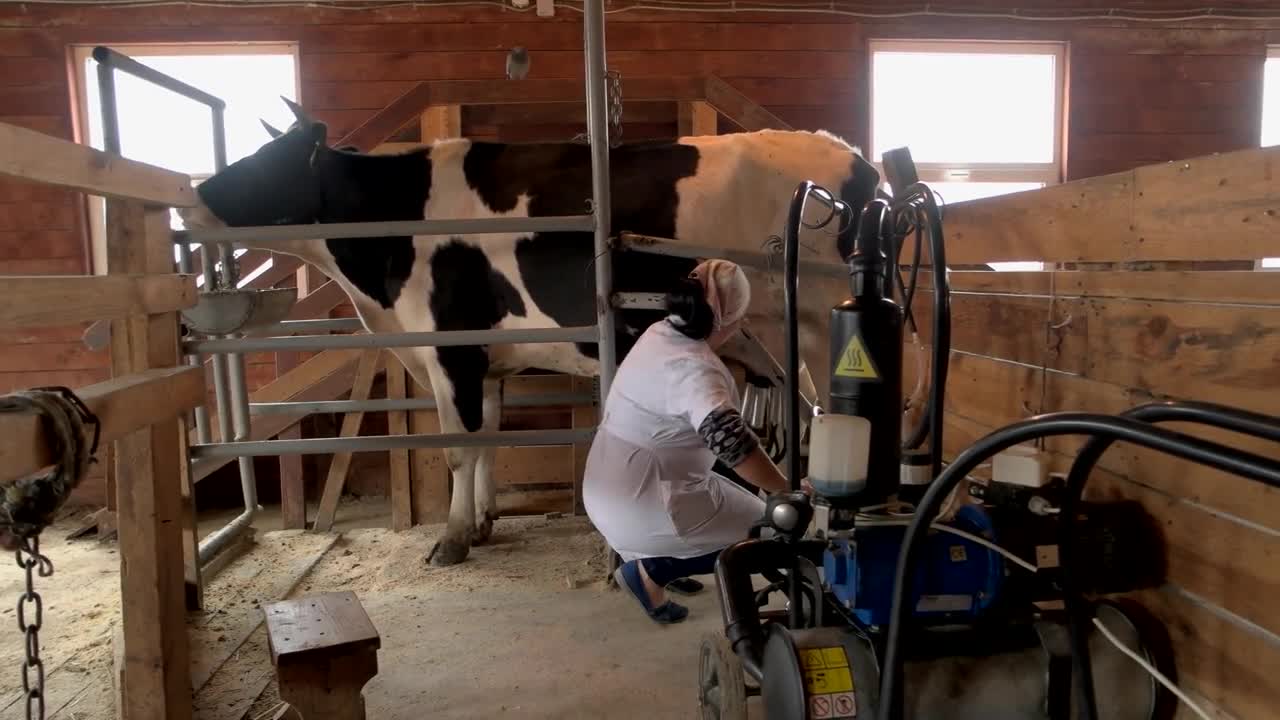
(1217, 456)
(1220, 416)
(790, 272)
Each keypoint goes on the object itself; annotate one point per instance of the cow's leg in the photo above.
(486, 487)
(459, 405)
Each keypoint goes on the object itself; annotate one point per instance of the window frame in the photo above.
(1272, 55)
(1050, 173)
(79, 54)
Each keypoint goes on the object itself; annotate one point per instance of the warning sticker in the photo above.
(826, 670)
(833, 706)
(855, 362)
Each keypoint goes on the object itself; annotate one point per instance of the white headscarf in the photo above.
(726, 289)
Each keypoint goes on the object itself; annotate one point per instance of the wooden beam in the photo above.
(741, 109)
(1215, 207)
(398, 424)
(697, 118)
(365, 373)
(1212, 286)
(69, 299)
(440, 122)
(36, 157)
(123, 405)
(155, 659)
(409, 106)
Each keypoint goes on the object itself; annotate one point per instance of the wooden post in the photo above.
(150, 472)
(440, 122)
(697, 118)
(293, 481)
(398, 424)
(584, 416)
(365, 372)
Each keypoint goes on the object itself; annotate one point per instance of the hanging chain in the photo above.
(615, 107)
(613, 89)
(29, 558)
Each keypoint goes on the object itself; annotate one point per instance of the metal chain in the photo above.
(614, 90)
(34, 691)
(615, 107)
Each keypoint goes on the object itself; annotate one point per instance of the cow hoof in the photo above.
(484, 528)
(448, 552)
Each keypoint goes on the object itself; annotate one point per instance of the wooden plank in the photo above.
(583, 416)
(150, 468)
(37, 157)
(1156, 212)
(733, 104)
(62, 300)
(317, 622)
(429, 470)
(1217, 656)
(440, 122)
(1209, 286)
(697, 118)
(398, 424)
(1025, 391)
(370, 361)
(293, 487)
(123, 405)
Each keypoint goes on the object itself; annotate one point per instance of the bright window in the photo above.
(980, 118)
(163, 128)
(1271, 98)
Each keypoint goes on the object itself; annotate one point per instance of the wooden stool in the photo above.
(324, 649)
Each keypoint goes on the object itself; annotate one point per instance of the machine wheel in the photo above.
(722, 694)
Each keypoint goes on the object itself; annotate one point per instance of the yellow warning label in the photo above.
(826, 670)
(828, 680)
(855, 362)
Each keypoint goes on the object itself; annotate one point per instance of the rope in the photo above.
(28, 505)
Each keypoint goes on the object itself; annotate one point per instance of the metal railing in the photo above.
(230, 387)
(597, 221)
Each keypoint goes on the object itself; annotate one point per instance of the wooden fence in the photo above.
(1142, 326)
(142, 409)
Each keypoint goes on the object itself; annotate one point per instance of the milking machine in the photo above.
(963, 605)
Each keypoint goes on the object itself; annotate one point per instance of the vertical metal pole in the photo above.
(110, 118)
(239, 389)
(598, 132)
(202, 410)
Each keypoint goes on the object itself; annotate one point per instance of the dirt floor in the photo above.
(523, 628)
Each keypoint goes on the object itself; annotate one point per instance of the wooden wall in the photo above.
(1136, 94)
(1107, 340)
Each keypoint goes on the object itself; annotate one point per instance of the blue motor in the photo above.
(956, 579)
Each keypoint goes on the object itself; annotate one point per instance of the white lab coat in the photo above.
(648, 486)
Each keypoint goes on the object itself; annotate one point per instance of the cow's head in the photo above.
(277, 185)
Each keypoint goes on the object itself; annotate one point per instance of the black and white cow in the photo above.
(728, 191)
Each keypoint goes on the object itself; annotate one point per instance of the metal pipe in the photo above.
(219, 112)
(213, 544)
(761, 261)
(388, 228)
(110, 114)
(447, 338)
(392, 405)
(598, 135)
(201, 411)
(383, 443)
(303, 327)
(241, 423)
(110, 58)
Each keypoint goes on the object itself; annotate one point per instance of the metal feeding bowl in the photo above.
(223, 312)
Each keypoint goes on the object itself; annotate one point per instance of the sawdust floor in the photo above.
(523, 628)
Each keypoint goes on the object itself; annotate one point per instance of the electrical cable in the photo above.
(1160, 678)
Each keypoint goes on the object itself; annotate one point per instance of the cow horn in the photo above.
(297, 111)
(274, 133)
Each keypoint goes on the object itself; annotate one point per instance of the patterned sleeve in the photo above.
(728, 436)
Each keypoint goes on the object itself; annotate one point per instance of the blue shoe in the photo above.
(628, 575)
(685, 586)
